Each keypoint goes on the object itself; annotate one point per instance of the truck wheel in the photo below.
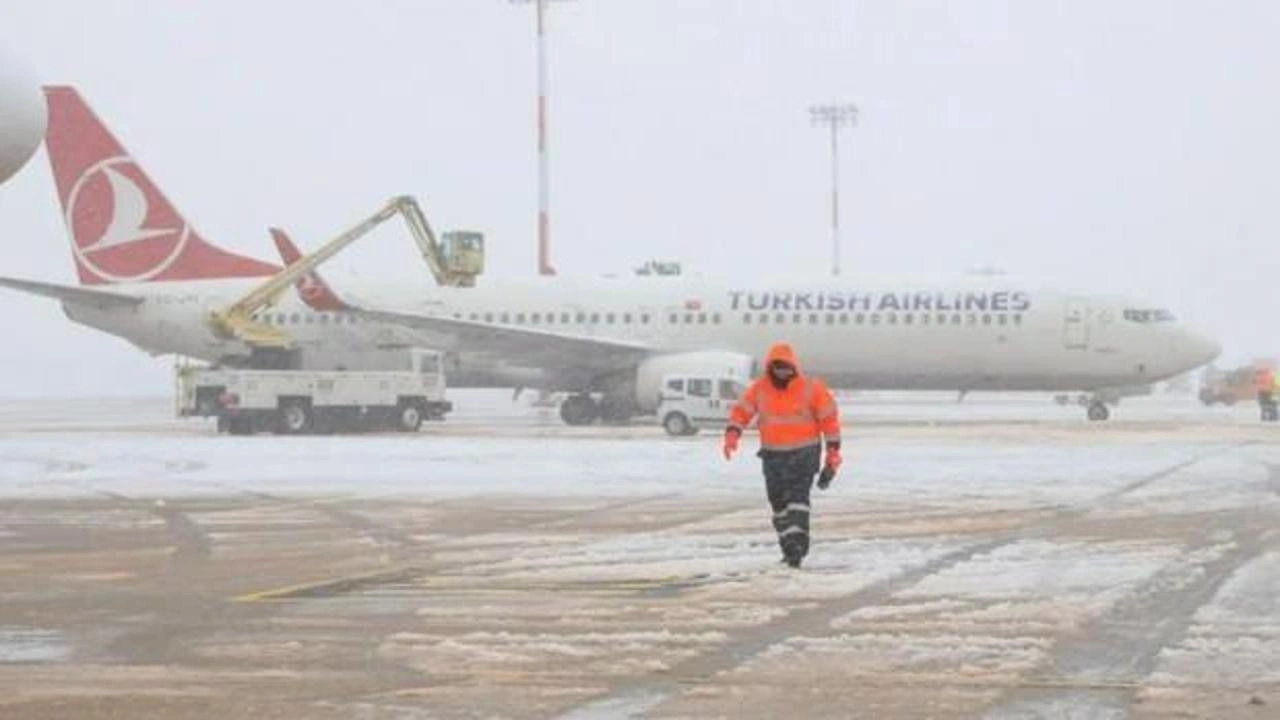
(677, 424)
(409, 418)
(295, 417)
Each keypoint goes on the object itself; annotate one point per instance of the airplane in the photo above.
(146, 275)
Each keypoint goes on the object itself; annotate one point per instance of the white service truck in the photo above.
(303, 401)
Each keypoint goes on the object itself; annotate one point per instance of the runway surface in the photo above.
(999, 559)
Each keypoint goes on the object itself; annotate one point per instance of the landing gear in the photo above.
(616, 409)
(579, 410)
(1098, 411)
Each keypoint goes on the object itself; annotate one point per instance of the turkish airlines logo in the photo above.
(122, 229)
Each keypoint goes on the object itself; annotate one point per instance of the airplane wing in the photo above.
(68, 293)
(533, 348)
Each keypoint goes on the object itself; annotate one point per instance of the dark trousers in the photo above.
(788, 477)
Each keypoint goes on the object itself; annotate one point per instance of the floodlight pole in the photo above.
(835, 117)
(544, 160)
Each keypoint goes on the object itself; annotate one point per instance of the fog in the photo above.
(1128, 147)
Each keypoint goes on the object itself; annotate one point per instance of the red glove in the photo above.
(731, 437)
(833, 458)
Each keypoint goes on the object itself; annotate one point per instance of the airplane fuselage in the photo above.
(971, 335)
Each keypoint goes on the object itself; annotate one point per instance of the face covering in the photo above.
(781, 375)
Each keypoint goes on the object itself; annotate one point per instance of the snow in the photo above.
(1234, 640)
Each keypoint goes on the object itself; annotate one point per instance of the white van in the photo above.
(689, 402)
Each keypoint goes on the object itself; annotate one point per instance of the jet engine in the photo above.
(23, 115)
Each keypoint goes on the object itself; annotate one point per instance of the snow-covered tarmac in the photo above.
(999, 558)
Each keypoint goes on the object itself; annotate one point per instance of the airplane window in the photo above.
(746, 319)
(488, 317)
(551, 318)
(309, 318)
(715, 319)
(582, 318)
(1004, 319)
(700, 387)
(610, 317)
(1148, 316)
(875, 318)
(764, 319)
(955, 319)
(986, 319)
(644, 319)
(844, 318)
(892, 318)
(813, 318)
(780, 319)
(940, 320)
(860, 319)
(473, 317)
(908, 319)
(626, 318)
(674, 318)
(971, 319)
(281, 318)
(595, 318)
(505, 318)
(676, 385)
(702, 318)
(831, 318)
(797, 319)
(1017, 319)
(519, 318)
(926, 319)
(535, 318)
(324, 319)
(688, 318)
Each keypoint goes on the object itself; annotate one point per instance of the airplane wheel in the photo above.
(1099, 412)
(677, 424)
(616, 410)
(579, 410)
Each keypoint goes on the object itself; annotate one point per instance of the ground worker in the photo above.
(1266, 385)
(795, 414)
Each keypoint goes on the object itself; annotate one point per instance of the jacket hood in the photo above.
(784, 352)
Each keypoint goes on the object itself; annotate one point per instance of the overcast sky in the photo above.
(1127, 146)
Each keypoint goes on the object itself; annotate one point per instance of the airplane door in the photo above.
(1076, 324)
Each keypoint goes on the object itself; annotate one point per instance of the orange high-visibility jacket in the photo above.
(797, 417)
(1265, 379)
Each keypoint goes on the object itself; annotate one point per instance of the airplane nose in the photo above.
(1200, 349)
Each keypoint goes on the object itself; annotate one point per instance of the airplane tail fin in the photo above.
(123, 229)
(313, 290)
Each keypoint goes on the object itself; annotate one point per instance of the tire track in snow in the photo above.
(633, 696)
(1097, 673)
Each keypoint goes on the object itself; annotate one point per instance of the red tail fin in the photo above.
(314, 291)
(122, 227)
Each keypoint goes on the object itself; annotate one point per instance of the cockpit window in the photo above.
(1148, 316)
